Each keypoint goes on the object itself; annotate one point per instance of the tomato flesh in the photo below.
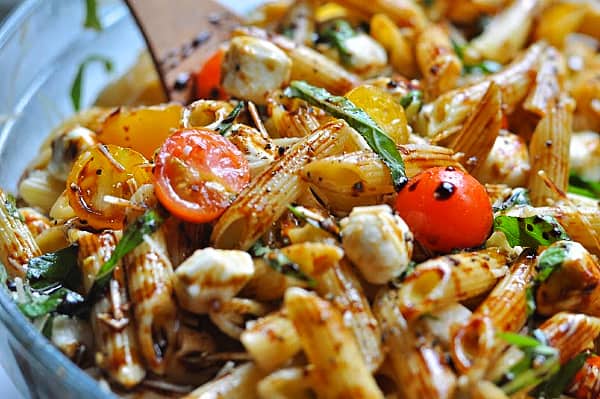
(198, 173)
(446, 209)
(208, 78)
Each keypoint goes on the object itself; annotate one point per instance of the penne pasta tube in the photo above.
(570, 333)
(150, 282)
(448, 112)
(267, 197)
(507, 32)
(17, 244)
(230, 316)
(289, 383)
(548, 83)
(362, 173)
(549, 151)
(402, 12)
(437, 61)
(117, 351)
(560, 19)
(271, 341)
(443, 322)
(342, 285)
(290, 123)
(417, 368)
(239, 383)
(337, 367)
(35, 221)
(307, 63)
(447, 279)
(479, 132)
(397, 44)
(40, 190)
(474, 344)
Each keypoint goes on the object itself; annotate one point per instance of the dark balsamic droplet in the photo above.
(450, 168)
(444, 191)
(529, 227)
(182, 81)
(413, 186)
(201, 39)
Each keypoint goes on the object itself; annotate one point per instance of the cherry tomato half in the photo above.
(208, 78)
(446, 208)
(198, 173)
(102, 180)
(585, 383)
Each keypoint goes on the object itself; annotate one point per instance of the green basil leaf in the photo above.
(341, 107)
(281, 263)
(518, 196)
(77, 86)
(40, 304)
(413, 96)
(336, 33)
(484, 67)
(55, 267)
(530, 231)
(11, 208)
(530, 298)
(549, 261)
(133, 236)
(227, 123)
(91, 15)
(529, 376)
(582, 186)
(554, 387)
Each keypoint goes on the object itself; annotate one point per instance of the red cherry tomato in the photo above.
(208, 78)
(446, 209)
(585, 384)
(198, 173)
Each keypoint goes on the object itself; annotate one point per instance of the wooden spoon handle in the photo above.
(181, 35)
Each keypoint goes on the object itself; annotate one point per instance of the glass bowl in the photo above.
(42, 44)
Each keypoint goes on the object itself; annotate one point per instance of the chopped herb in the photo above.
(530, 231)
(91, 15)
(227, 123)
(133, 236)
(336, 33)
(559, 382)
(341, 107)
(550, 260)
(484, 67)
(538, 365)
(518, 196)
(11, 208)
(77, 86)
(40, 303)
(428, 3)
(459, 49)
(46, 327)
(55, 267)
(413, 96)
(280, 263)
(582, 186)
(530, 298)
(326, 224)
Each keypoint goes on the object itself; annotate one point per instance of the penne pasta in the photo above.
(239, 383)
(447, 279)
(347, 295)
(150, 283)
(35, 221)
(549, 151)
(402, 12)
(338, 369)
(40, 190)
(396, 43)
(417, 368)
(475, 343)
(548, 83)
(480, 131)
(289, 383)
(265, 200)
(17, 245)
(570, 333)
(437, 61)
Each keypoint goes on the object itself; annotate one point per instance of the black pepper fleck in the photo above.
(444, 191)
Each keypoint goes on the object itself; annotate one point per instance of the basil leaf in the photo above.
(518, 196)
(91, 15)
(40, 305)
(583, 186)
(55, 267)
(530, 298)
(281, 263)
(341, 107)
(336, 33)
(559, 382)
(227, 123)
(413, 96)
(530, 231)
(485, 67)
(77, 86)
(549, 261)
(133, 236)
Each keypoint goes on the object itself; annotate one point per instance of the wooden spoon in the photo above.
(181, 35)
